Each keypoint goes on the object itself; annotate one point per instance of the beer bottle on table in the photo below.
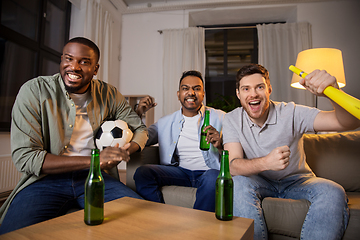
(204, 145)
(94, 192)
(224, 190)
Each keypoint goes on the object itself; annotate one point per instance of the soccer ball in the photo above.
(112, 132)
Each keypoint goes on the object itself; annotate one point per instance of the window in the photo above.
(32, 34)
(227, 48)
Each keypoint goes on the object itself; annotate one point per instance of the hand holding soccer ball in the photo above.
(112, 132)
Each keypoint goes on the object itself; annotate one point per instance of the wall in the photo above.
(334, 24)
(142, 53)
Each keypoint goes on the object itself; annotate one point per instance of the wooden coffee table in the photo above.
(129, 218)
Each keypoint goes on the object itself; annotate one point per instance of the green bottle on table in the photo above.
(204, 145)
(94, 192)
(224, 190)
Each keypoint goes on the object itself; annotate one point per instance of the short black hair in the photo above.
(86, 42)
(250, 70)
(191, 73)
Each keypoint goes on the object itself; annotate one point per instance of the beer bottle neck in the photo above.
(207, 118)
(224, 165)
(95, 161)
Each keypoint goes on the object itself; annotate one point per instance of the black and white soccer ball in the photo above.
(112, 132)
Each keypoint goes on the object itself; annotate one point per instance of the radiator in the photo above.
(9, 176)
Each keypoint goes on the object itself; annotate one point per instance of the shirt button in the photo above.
(66, 147)
(70, 125)
(72, 104)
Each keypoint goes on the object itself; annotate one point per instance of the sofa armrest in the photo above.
(149, 155)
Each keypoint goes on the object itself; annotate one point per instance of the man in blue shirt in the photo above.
(182, 161)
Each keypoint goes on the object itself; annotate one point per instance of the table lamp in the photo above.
(329, 59)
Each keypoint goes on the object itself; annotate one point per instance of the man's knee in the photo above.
(209, 178)
(332, 192)
(142, 172)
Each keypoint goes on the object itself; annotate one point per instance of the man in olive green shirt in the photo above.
(54, 119)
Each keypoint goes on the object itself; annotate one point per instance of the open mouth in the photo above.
(257, 102)
(254, 104)
(190, 100)
(73, 77)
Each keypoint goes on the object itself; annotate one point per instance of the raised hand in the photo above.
(317, 81)
(145, 104)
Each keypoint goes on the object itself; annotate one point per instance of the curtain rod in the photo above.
(220, 28)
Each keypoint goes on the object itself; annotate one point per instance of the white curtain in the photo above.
(184, 49)
(98, 25)
(279, 45)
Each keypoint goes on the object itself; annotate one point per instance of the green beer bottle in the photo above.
(224, 190)
(94, 192)
(203, 144)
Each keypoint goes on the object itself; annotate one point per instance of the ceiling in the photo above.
(138, 6)
(135, 2)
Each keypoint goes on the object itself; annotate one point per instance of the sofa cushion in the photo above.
(285, 216)
(179, 196)
(335, 157)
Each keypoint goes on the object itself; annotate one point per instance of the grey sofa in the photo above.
(331, 156)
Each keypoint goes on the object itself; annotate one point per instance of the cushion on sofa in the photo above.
(285, 216)
(182, 196)
(336, 157)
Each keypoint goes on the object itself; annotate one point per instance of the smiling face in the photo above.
(254, 96)
(191, 94)
(78, 66)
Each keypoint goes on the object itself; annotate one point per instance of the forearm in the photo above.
(134, 147)
(345, 119)
(54, 164)
(246, 167)
(140, 137)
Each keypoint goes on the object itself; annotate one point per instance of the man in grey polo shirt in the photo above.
(267, 158)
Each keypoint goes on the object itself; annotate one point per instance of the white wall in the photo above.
(334, 24)
(142, 53)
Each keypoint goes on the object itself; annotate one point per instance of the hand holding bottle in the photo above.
(204, 144)
(213, 137)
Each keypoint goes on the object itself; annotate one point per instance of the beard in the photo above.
(72, 89)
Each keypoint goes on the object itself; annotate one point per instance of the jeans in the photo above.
(150, 178)
(53, 196)
(327, 216)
